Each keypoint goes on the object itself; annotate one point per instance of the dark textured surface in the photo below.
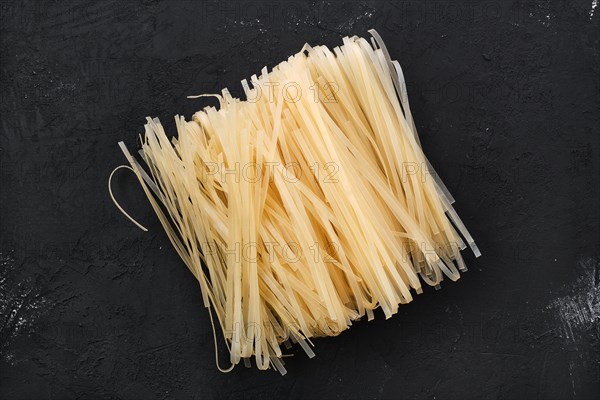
(506, 98)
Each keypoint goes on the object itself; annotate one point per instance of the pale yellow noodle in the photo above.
(357, 223)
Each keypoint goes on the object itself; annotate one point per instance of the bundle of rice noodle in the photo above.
(306, 206)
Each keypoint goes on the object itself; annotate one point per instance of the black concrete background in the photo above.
(506, 98)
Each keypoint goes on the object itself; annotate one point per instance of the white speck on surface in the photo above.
(348, 25)
(542, 13)
(571, 369)
(579, 312)
(20, 305)
(594, 5)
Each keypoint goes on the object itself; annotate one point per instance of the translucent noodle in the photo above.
(308, 205)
